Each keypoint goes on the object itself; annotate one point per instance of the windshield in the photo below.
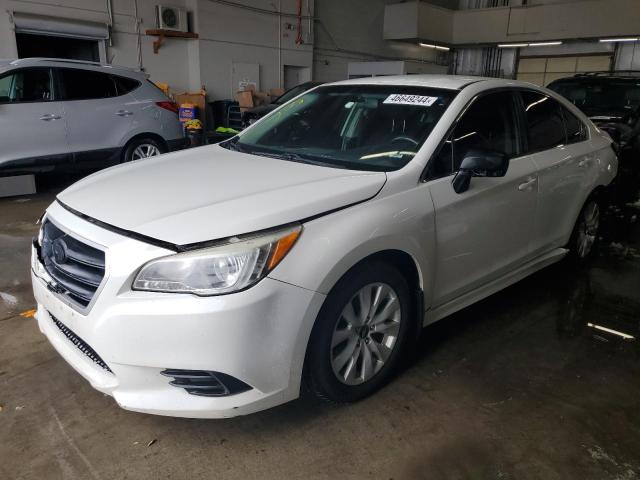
(293, 93)
(615, 98)
(361, 127)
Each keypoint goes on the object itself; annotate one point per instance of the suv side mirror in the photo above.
(479, 163)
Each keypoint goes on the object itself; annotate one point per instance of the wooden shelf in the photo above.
(162, 34)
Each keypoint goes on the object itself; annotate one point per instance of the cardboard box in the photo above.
(188, 111)
(276, 92)
(245, 99)
(198, 99)
(246, 87)
(261, 98)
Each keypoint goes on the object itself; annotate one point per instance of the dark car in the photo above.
(612, 101)
(253, 114)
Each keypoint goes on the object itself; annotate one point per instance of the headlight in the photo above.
(227, 268)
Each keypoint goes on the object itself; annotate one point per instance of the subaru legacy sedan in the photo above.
(313, 247)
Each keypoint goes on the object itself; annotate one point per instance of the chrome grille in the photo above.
(76, 267)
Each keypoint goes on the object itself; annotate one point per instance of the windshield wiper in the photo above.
(293, 157)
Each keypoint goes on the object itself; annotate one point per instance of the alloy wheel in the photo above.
(145, 150)
(588, 229)
(365, 334)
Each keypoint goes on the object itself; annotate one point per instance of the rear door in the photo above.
(485, 232)
(32, 123)
(557, 143)
(98, 118)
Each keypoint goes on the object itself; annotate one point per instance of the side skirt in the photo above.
(494, 286)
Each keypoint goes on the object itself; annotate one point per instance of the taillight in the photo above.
(171, 106)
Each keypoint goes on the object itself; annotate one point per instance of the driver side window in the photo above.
(29, 85)
(488, 124)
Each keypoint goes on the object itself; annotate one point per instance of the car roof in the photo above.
(450, 82)
(598, 77)
(81, 64)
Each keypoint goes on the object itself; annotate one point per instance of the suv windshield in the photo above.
(610, 97)
(361, 127)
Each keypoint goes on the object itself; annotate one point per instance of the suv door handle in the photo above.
(50, 116)
(526, 185)
(124, 113)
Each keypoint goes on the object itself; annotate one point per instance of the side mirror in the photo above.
(479, 163)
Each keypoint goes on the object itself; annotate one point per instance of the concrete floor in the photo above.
(515, 387)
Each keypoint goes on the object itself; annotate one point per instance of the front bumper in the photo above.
(258, 336)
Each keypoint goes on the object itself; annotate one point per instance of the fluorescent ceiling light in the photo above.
(631, 39)
(437, 47)
(534, 44)
(544, 44)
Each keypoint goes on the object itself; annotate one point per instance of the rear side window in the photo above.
(125, 85)
(86, 84)
(29, 85)
(576, 130)
(545, 124)
(488, 124)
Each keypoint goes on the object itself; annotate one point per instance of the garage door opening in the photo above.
(30, 45)
(544, 70)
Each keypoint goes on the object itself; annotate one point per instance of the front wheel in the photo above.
(361, 332)
(143, 148)
(586, 231)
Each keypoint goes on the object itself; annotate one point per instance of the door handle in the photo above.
(50, 116)
(526, 185)
(124, 113)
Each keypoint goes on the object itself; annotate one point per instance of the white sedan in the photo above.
(314, 245)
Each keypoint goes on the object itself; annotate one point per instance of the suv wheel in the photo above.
(585, 233)
(364, 326)
(143, 148)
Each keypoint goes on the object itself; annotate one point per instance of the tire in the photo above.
(584, 238)
(141, 148)
(324, 364)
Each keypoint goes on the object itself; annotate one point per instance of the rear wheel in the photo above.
(143, 148)
(361, 332)
(586, 231)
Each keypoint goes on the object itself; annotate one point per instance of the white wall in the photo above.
(227, 34)
(235, 35)
(168, 66)
(247, 33)
(351, 31)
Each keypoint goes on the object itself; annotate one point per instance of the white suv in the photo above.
(315, 244)
(62, 113)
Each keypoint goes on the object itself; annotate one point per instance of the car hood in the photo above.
(210, 193)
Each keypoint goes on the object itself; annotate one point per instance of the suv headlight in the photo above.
(226, 268)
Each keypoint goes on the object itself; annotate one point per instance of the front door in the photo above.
(32, 123)
(486, 231)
